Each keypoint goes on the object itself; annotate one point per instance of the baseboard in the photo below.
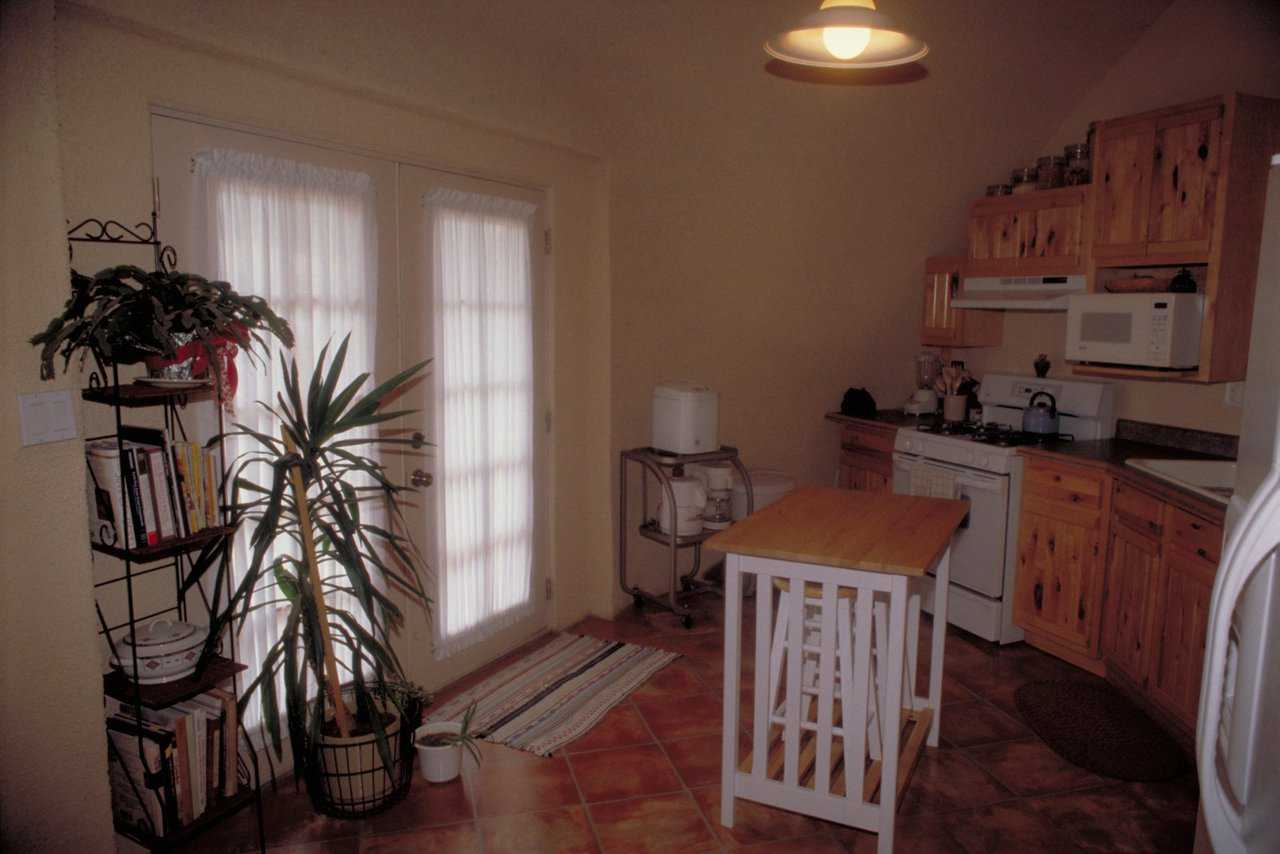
(1067, 654)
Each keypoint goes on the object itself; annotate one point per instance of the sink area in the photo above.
(1214, 479)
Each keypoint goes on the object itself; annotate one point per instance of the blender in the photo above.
(925, 400)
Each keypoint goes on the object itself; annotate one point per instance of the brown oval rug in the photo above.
(1096, 727)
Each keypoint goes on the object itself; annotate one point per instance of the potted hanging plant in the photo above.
(321, 553)
(125, 315)
(440, 745)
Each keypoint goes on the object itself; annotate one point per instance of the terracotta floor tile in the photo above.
(614, 630)
(332, 846)
(451, 839)
(699, 714)
(1114, 819)
(516, 788)
(621, 726)
(289, 819)
(966, 724)
(499, 754)
(924, 834)
(820, 844)
(753, 822)
(1029, 767)
(697, 760)
(625, 772)
(677, 679)
(1177, 797)
(426, 805)
(1011, 826)
(946, 781)
(656, 824)
(564, 831)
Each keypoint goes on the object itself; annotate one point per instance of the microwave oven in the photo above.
(1139, 330)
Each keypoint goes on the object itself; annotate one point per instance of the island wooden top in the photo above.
(879, 532)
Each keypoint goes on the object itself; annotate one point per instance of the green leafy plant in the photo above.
(464, 737)
(124, 314)
(319, 458)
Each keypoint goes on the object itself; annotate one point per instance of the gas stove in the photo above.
(991, 433)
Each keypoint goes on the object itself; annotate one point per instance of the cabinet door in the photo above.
(1184, 591)
(1184, 181)
(1129, 602)
(940, 325)
(1058, 586)
(995, 235)
(1051, 233)
(1121, 188)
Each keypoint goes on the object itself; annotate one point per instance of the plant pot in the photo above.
(438, 764)
(352, 779)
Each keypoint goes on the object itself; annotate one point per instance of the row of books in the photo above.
(187, 760)
(170, 488)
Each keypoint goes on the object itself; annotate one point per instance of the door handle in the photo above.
(421, 479)
(1038, 593)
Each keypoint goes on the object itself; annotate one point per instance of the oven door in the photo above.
(978, 550)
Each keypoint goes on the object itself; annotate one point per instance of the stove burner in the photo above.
(1000, 435)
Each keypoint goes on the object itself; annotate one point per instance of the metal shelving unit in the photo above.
(661, 467)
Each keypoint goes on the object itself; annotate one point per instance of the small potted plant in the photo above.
(125, 315)
(320, 553)
(440, 745)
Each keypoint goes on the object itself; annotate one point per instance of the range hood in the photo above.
(1021, 293)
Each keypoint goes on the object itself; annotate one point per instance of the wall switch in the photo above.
(47, 416)
(1234, 395)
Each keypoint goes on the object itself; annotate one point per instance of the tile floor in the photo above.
(646, 779)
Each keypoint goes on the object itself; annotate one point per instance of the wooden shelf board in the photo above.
(167, 548)
(1133, 373)
(118, 686)
(651, 531)
(136, 395)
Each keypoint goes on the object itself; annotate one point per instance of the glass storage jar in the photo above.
(1050, 171)
(1023, 180)
(1078, 164)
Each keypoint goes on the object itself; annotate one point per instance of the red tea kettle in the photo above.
(1040, 417)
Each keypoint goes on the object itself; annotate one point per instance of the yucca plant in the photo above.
(314, 535)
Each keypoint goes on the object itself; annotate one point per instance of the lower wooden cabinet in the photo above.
(866, 457)
(1059, 580)
(1184, 591)
(1132, 565)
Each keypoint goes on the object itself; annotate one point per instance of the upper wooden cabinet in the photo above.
(1031, 234)
(1186, 186)
(941, 325)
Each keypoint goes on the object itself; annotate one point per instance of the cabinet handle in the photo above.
(1038, 594)
(1080, 609)
(1203, 151)
(1195, 526)
(1204, 554)
(1159, 154)
(953, 284)
(1051, 545)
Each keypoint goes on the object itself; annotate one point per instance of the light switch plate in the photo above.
(1234, 394)
(47, 416)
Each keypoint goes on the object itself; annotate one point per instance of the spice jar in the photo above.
(1023, 180)
(1050, 172)
(1078, 165)
(999, 189)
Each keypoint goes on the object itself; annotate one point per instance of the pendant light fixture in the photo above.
(846, 34)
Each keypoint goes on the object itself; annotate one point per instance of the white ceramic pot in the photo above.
(438, 764)
(167, 650)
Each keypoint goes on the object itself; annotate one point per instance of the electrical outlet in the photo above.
(1234, 394)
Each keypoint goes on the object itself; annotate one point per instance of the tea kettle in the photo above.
(1040, 417)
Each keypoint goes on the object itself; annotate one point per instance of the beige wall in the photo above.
(1196, 49)
(53, 775)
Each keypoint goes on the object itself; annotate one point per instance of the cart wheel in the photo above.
(637, 601)
(686, 621)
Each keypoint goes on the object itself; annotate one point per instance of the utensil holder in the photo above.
(954, 407)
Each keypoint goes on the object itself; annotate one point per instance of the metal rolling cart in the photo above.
(663, 466)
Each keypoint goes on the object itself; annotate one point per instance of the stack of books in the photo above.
(187, 761)
(169, 488)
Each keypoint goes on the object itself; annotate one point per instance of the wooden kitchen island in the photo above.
(855, 555)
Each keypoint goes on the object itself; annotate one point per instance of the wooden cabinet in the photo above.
(1185, 186)
(1184, 591)
(1035, 233)
(1130, 601)
(1060, 574)
(942, 325)
(866, 456)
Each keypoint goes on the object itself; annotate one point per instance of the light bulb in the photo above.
(845, 42)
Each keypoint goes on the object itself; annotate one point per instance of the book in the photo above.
(209, 457)
(134, 496)
(230, 738)
(140, 778)
(178, 723)
(180, 482)
(146, 495)
(172, 488)
(160, 493)
(108, 524)
(198, 751)
(150, 445)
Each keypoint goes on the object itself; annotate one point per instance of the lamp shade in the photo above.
(829, 34)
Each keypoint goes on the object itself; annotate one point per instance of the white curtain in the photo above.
(304, 238)
(482, 316)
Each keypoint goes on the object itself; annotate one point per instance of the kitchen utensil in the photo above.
(955, 407)
(1183, 282)
(718, 512)
(1041, 365)
(685, 519)
(167, 650)
(1039, 416)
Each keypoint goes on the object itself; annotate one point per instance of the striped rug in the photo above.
(556, 693)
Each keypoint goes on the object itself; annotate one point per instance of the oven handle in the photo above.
(966, 476)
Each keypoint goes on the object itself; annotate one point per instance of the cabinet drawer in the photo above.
(1140, 510)
(881, 464)
(1198, 536)
(857, 438)
(1072, 488)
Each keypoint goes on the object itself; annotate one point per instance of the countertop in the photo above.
(878, 532)
(889, 417)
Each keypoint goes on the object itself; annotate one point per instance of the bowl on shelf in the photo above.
(167, 650)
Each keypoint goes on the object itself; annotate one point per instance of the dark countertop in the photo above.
(891, 417)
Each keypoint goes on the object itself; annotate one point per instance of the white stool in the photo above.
(811, 664)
